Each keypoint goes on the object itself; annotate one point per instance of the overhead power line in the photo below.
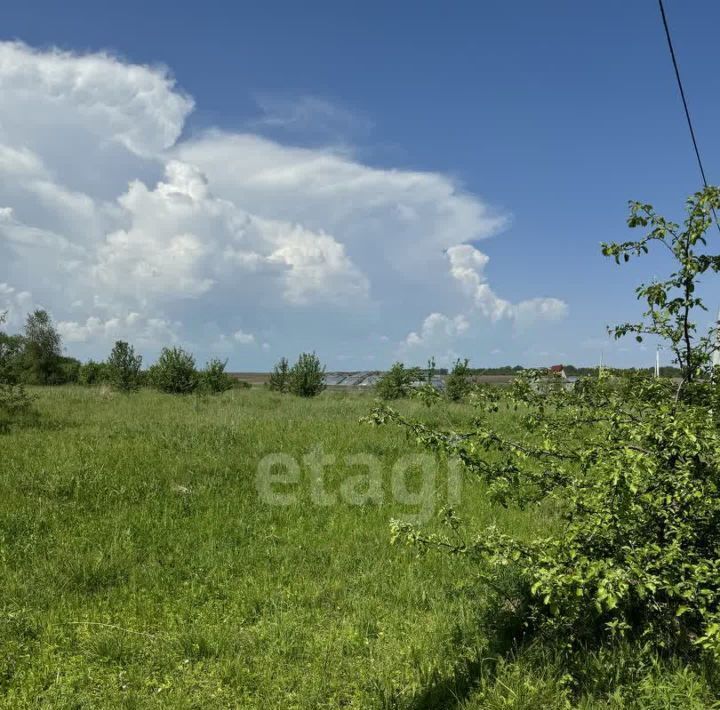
(684, 102)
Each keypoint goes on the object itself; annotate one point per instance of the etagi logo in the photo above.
(413, 480)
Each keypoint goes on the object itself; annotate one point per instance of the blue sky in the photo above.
(526, 127)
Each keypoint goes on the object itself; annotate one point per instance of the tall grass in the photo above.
(140, 568)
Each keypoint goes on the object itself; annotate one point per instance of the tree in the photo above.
(672, 302)
(459, 382)
(93, 373)
(280, 376)
(14, 401)
(307, 376)
(631, 464)
(12, 348)
(427, 392)
(398, 382)
(123, 367)
(214, 379)
(174, 372)
(68, 371)
(43, 349)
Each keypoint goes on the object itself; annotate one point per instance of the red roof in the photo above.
(557, 368)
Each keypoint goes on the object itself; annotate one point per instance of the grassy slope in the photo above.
(138, 568)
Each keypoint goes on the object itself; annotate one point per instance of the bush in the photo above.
(307, 376)
(214, 379)
(398, 382)
(280, 376)
(11, 356)
(630, 461)
(15, 403)
(459, 383)
(42, 351)
(174, 372)
(123, 367)
(635, 472)
(68, 372)
(93, 373)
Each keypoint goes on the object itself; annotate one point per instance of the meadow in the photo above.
(143, 567)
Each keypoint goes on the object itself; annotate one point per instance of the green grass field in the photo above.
(141, 566)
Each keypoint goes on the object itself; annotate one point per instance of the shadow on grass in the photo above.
(503, 616)
(539, 673)
(453, 691)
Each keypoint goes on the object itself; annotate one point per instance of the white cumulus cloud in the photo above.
(125, 230)
(436, 329)
(244, 338)
(467, 266)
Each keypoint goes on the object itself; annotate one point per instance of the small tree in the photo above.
(459, 382)
(93, 373)
(68, 371)
(11, 356)
(631, 463)
(43, 350)
(214, 379)
(307, 376)
(123, 367)
(174, 372)
(280, 376)
(14, 401)
(427, 392)
(398, 382)
(672, 302)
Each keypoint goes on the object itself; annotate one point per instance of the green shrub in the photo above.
(459, 382)
(15, 403)
(174, 372)
(631, 464)
(68, 371)
(11, 356)
(214, 379)
(427, 392)
(398, 382)
(280, 376)
(93, 373)
(307, 376)
(123, 367)
(241, 384)
(42, 350)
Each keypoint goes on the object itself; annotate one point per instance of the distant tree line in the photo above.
(573, 371)
(35, 357)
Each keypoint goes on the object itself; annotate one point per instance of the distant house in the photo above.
(558, 370)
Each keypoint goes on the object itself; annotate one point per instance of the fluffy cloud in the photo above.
(244, 338)
(14, 304)
(133, 326)
(439, 333)
(94, 95)
(436, 329)
(124, 230)
(390, 221)
(181, 240)
(467, 266)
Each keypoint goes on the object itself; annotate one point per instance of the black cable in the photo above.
(684, 101)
